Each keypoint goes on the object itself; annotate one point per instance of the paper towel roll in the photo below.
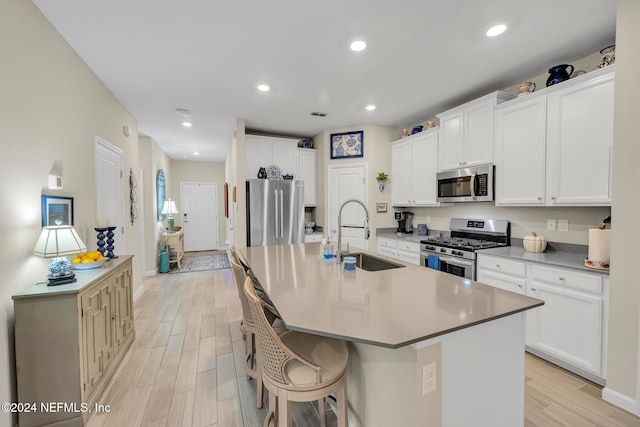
(599, 241)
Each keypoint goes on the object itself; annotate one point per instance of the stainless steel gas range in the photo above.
(456, 254)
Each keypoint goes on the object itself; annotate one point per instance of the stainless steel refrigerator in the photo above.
(275, 212)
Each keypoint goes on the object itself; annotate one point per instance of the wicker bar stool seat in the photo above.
(247, 327)
(298, 367)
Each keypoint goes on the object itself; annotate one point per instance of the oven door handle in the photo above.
(455, 261)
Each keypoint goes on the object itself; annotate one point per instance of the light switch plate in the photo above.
(551, 224)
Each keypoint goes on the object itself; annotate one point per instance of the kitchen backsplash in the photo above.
(523, 220)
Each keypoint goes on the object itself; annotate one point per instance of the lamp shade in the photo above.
(59, 240)
(169, 207)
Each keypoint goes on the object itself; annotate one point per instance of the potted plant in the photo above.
(382, 178)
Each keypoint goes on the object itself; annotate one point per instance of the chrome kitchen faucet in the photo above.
(366, 224)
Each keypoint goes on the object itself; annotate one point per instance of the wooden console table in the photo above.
(70, 340)
(175, 239)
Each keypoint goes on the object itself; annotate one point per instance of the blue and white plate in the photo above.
(274, 172)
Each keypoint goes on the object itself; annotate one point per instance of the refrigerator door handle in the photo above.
(281, 215)
(275, 195)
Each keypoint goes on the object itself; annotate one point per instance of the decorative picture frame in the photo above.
(161, 193)
(57, 210)
(347, 145)
(381, 207)
(226, 200)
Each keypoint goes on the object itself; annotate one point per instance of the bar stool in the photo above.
(298, 367)
(248, 329)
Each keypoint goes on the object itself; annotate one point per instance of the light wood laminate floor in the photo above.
(185, 368)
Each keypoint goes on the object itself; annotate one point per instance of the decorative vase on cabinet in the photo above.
(559, 74)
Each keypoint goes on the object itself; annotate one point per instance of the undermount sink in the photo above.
(371, 263)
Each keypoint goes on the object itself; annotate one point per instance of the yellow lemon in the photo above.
(86, 260)
(94, 255)
(76, 260)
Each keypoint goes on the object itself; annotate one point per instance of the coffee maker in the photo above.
(405, 222)
(408, 218)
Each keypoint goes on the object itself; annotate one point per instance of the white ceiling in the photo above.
(423, 57)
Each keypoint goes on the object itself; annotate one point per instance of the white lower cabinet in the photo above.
(400, 249)
(502, 273)
(569, 328)
(569, 325)
(313, 237)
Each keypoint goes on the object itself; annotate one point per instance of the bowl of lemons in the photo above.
(88, 261)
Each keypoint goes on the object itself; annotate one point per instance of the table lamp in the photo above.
(169, 208)
(57, 242)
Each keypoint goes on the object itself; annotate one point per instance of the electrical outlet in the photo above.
(427, 218)
(563, 225)
(429, 378)
(551, 224)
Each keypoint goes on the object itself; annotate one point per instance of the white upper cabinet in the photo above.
(466, 133)
(579, 142)
(307, 173)
(262, 151)
(520, 152)
(553, 147)
(414, 164)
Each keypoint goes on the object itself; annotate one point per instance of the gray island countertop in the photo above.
(390, 308)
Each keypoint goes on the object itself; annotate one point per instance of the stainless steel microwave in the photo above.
(472, 184)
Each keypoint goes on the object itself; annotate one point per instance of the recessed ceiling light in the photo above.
(370, 107)
(186, 124)
(263, 87)
(195, 153)
(358, 46)
(496, 30)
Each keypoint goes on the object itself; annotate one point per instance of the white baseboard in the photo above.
(150, 272)
(620, 400)
(138, 292)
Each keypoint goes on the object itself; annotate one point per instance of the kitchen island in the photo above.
(426, 348)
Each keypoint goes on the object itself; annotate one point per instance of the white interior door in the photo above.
(109, 189)
(348, 182)
(199, 210)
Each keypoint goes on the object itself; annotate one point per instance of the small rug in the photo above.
(201, 262)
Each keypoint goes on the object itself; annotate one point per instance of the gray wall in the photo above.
(624, 295)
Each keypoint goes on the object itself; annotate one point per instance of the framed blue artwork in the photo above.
(347, 144)
(57, 210)
(161, 193)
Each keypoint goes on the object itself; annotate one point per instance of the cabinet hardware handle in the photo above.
(113, 317)
(553, 197)
(534, 289)
(520, 286)
(498, 265)
(561, 278)
(539, 198)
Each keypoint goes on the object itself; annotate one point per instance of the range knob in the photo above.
(443, 250)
